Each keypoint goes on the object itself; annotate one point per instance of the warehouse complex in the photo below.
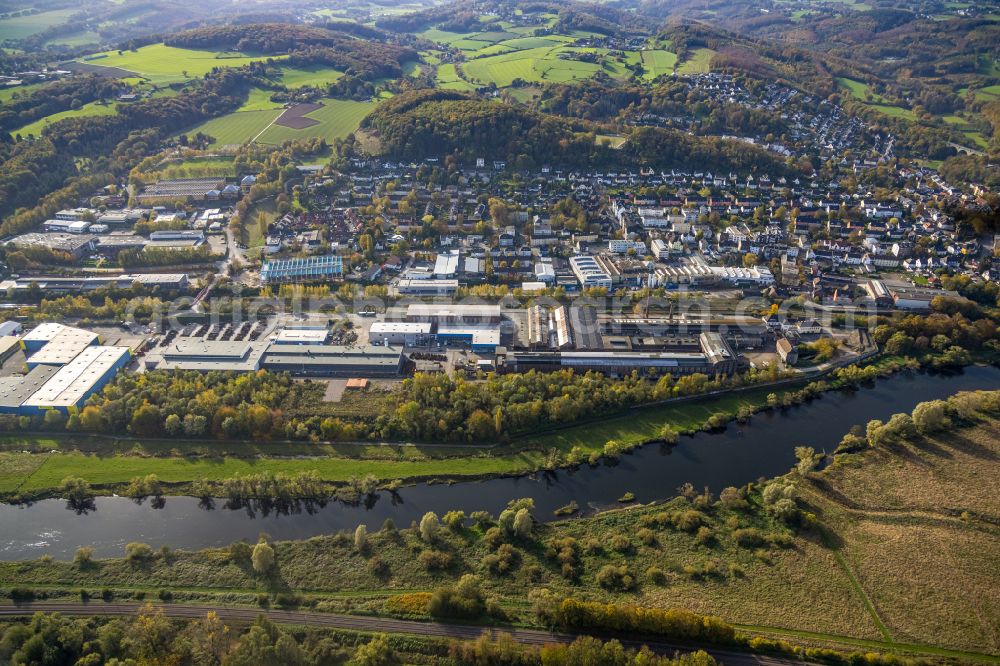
(66, 365)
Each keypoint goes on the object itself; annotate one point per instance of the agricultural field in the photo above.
(317, 77)
(538, 65)
(698, 63)
(860, 91)
(657, 62)
(162, 64)
(259, 100)
(235, 129)
(336, 119)
(7, 94)
(87, 110)
(448, 78)
(20, 27)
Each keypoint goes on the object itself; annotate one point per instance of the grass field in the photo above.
(20, 27)
(319, 77)
(7, 94)
(658, 62)
(533, 66)
(698, 63)
(235, 129)
(85, 111)
(860, 90)
(163, 64)
(448, 78)
(198, 167)
(337, 119)
(259, 100)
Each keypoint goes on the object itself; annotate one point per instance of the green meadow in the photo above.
(163, 64)
(317, 77)
(698, 63)
(19, 27)
(87, 110)
(337, 118)
(658, 62)
(236, 129)
(448, 78)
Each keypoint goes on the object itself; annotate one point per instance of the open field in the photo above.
(860, 91)
(929, 569)
(335, 119)
(163, 64)
(535, 66)
(259, 100)
(236, 128)
(20, 27)
(7, 94)
(658, 62)
(448, 78)
(698, 63)
(85, 111)
(318, 77)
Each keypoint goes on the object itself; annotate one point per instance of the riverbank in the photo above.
(846, 564)
(33, 469)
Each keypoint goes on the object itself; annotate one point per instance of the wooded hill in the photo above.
(424, 123)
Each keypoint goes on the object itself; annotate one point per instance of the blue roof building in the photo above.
(307, 269)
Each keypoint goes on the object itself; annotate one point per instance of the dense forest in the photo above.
(422, 123)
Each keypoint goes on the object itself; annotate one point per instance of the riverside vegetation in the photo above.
(839, 550)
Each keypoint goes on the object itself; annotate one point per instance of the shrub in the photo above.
(429, 526)
(454, 520)
(503, 560)
(612, 577)
(464, 600)
(687, 521)
(749, 537)
(136, 552)
(646, 535)
(262, 557)
(435, 559)
(656, 576)
(83, 557)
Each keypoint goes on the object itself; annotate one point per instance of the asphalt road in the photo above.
(367, 624)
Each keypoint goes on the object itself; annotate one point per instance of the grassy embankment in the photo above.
(899, 557)
(105, 463)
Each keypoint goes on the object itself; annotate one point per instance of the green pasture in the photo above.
(85, 111)
(20, 27)
(163, 64)
(698, 63)
(237, 128)
(658, 62)
(317, 77)
(337, 119)
(448, 78)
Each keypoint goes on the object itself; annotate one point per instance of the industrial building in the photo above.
(422, 287)
(208, 355)
(65, 285)
(396, 333)
(14, 390)
(482, 338)
(453, 313)
(588, 272)
(302, 335)
(334, 360)
(714, 358)
(308, 269)
(71, 385)
(53, 343)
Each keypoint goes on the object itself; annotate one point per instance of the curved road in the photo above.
(367, 624)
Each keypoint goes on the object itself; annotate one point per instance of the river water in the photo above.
(741, 453)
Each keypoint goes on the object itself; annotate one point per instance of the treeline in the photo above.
(55, 97)
(152, 638)
(29, 170)
(270, 38)
(432, 122)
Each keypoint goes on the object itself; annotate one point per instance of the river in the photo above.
(741, 453)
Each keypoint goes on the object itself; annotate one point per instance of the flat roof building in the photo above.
(422, 287)
(334, 360)
(15, 389)
(208, 355)
(453, 313)
(398, 333)
(73, 383)
(306, 335)
(307, 269)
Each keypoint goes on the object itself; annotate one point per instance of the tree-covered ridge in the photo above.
(254, 38)
(55, 97)
(415, 125)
